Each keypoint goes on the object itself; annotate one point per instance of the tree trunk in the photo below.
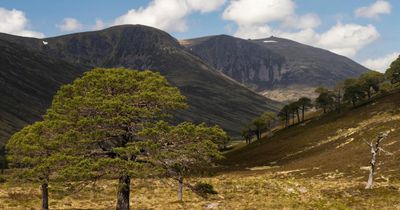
(180, 189)
(123, 193)
(370, 182)
(339, 101)
(293, 118)
(374, 152)
(45, 196)
(286, 120)
(298, 116)
(302, 113)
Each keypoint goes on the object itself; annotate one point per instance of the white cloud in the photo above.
(380, 7)
(14, 22)
(307, 21)
(255, 12)
(381, 64)
(347, 39)
(254, 18)
(99, 25)
(69, 24)
(306, 36)
(205, 6)
(253, 31)
(168, 15)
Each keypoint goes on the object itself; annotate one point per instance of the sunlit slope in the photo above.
(332, 143)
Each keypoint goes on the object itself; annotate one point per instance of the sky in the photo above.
(367, 31)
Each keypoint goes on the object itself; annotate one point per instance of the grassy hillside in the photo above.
(330, 144)
(28, 81)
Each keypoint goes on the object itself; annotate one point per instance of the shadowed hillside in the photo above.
(213, 97)
(28, 81)
(330, 144)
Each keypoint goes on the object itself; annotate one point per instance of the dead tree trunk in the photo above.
(45, 196)
(374, 152)
(180, 189)
(123, 193)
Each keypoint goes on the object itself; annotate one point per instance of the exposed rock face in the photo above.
(29, 64)
(273, 63)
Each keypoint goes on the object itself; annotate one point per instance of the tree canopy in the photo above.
(393, 73)
(102, 112)
(184, 150)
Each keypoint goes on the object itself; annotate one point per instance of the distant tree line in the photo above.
(355, 91)
(258, 126)
(295, 111)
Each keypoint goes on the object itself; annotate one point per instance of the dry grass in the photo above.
(290, 93)
(319, 165)
(235, 191)
(331, 143)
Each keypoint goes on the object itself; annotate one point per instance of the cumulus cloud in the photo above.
(254, 19)
(253, 31)
(380, 7)
(168, 15)
(307, 21)
(381, 64)
(255, 12)
(348, 39)
(15, 22)
(70, 24)
(205, 6)
(99, 25)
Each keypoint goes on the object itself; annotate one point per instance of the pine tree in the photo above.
(107, 108)
(39, 153)
(305, 104)
(184, 150)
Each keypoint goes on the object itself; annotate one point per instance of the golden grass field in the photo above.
(240, 190)
(321, 164)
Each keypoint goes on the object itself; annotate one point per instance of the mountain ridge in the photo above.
(213, 98)
(273, 63)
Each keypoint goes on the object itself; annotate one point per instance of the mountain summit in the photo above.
(273, 63)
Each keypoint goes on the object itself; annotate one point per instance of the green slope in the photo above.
(332, 143)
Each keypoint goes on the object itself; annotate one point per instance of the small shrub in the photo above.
(204, 189)
(2, 179)
(385, 87)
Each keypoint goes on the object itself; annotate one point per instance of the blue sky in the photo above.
(364, 30)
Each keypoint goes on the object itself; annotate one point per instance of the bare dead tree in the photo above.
(375, 149)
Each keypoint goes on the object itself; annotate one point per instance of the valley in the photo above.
(131, 116)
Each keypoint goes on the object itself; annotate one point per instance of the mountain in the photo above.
(265, 65)
(213, 97)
